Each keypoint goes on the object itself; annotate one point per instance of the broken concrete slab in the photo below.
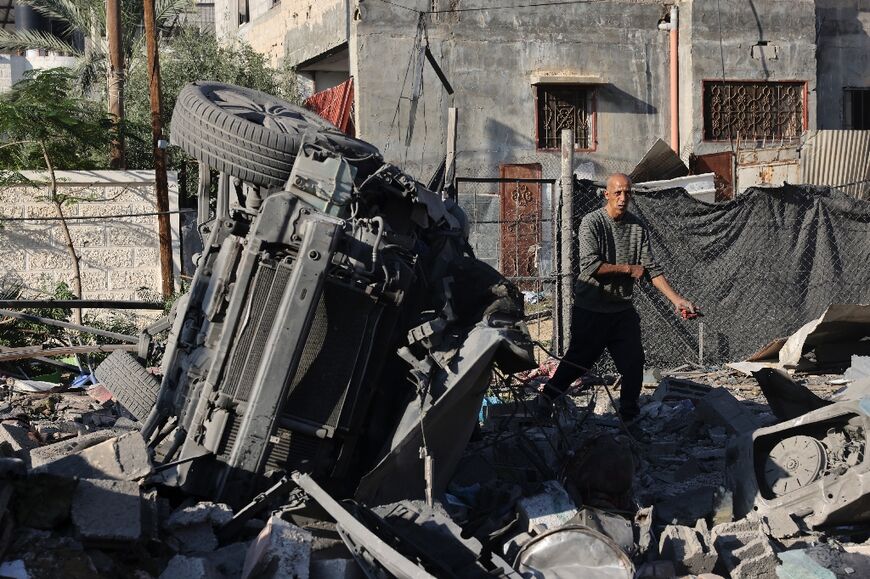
(18, 439)
(181, 567)
(549, 509)
(679, 389)
(52, 452)
(230, 560)
(198, 538)
(687, 549)
(720, 408)
(215, 514)
(281, 550)
(107, 511)
(123, 458)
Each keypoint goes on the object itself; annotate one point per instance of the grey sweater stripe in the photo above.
(603, 240)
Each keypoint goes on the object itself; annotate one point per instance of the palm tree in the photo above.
(87, 19)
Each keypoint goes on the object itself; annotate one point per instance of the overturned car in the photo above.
(337, 323)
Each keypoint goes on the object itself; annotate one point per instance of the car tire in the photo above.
(131, 384)
(252, 135)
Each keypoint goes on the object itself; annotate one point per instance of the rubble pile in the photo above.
(346, 391)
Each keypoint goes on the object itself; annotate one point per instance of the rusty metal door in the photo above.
(520, 217)
(722, 165)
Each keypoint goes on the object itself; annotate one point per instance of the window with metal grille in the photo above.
(564, 106)
(856, 108)
(753, 110)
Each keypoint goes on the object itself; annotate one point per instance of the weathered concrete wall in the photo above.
(296, 30)
(12, 68)
(787, 26)
(843, 55)
(490, 58)
(119, 257)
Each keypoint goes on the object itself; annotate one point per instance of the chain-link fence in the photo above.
(511, 229)
(759, 266)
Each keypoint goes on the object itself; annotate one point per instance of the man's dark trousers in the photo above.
(591, 332)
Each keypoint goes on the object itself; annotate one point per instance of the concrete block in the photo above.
(215, 514)
(745, 549)
(720, 408)
(122, 458)
(782, 525)
(131, 236)
(230, 560)
(52, 452)
(550, 509)
(20, 440)
(198, 538)
(280, 550)
(107, 511)
(94, 280)
(132, 278)
(107, 257)
(686, 548)
(84, 236)
(181, 567)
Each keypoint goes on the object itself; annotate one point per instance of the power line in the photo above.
(494, 8)
(97, 217)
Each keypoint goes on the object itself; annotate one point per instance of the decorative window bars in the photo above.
(564, 107)
(753, 110)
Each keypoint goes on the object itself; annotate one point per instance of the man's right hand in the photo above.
(636, 271)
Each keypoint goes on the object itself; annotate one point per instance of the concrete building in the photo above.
(602, 68)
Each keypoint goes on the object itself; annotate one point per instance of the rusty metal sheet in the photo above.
(722, 164)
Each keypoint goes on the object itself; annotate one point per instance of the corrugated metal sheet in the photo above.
(838, 159)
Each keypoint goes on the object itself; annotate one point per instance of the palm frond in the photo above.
(35, 39)
(170, 9)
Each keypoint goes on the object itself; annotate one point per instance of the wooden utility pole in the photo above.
(161, 186)
(566, 227)
(116, 80)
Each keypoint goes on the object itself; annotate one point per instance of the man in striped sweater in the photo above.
(614, 253)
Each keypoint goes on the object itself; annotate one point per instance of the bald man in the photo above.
(614, 253)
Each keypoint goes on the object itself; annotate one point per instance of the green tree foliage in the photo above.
(81, 30)
(41, 110)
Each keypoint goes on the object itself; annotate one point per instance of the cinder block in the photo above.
(720, 408)
(18, 438)
(685, 547)
(107, 511)
(280, 550)
(122, 458)
(104, 258)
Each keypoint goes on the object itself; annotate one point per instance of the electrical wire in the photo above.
(97, 217)
(495, 8)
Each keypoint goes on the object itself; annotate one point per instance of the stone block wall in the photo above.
(119, 256)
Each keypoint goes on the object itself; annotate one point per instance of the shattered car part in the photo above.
(787, 399)
(573, 551)
(323, 330)
(813, 467)
(361, 541)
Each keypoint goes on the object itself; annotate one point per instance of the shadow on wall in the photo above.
(612, 99)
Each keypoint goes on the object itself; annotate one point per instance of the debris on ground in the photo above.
(346, 392)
